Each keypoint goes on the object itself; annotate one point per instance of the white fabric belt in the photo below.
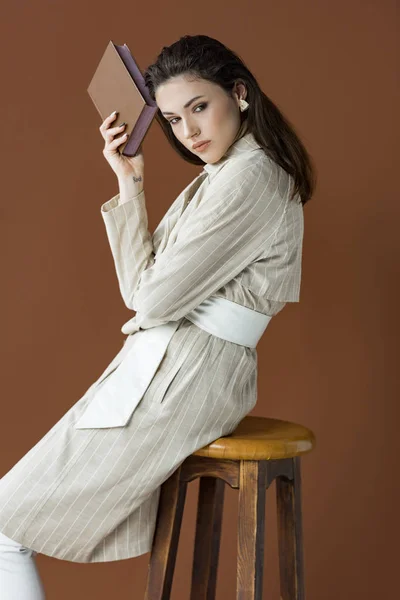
(230, 321)
(115, 400)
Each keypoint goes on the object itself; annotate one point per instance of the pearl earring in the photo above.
(243, 105)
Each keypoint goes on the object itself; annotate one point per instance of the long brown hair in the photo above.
(201, 56)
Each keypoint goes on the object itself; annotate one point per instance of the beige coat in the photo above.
(91, 495)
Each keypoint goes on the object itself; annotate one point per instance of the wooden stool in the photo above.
(257, 452)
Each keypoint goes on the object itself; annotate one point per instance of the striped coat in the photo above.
(91, 495)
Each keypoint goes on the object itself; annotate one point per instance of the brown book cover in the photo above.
(118, 84)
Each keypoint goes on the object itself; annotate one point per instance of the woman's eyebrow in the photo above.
(185, 106)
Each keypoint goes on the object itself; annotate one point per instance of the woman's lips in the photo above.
(202, 147)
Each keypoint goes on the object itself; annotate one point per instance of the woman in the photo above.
(228, 247)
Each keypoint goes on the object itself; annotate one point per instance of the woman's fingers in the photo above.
(111, 141)
(121, 165)
(107, 121)
(107, 132)
(110, 133)
(115, 143)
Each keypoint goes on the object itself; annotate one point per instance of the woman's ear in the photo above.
(240, 91)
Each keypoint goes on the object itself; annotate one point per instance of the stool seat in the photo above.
(261, 438)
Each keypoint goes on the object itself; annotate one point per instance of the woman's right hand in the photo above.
(123, 166)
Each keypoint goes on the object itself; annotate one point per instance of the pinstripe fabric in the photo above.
(91, 495)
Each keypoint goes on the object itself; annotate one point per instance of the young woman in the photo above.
(225, 259)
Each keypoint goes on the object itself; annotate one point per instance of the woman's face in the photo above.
(213, 115)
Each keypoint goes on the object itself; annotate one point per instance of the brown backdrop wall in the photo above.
(328, 362)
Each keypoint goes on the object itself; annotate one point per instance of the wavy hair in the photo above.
(203, 57)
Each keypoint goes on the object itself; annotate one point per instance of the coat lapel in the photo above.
(167, 230)
(177, 214)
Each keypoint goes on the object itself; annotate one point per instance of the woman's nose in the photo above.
(189, 130)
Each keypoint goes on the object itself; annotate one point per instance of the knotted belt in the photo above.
(115, 400)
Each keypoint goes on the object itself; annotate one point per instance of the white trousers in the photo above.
(19, 575)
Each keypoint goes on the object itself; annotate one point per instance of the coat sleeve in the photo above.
(236, 221)
(130, 241)
(132, 246)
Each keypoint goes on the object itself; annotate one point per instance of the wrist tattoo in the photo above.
(137, 179)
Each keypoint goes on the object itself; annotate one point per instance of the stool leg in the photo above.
(208, 536)
(252, 492)
(290, 534)
(166, 538)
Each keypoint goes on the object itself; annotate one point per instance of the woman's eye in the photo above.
(198, 106)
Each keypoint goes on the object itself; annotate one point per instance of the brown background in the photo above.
(328, 362)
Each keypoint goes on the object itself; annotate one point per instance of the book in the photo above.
(118, 84)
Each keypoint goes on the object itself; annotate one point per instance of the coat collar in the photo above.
(245, 142)
(167, 230)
